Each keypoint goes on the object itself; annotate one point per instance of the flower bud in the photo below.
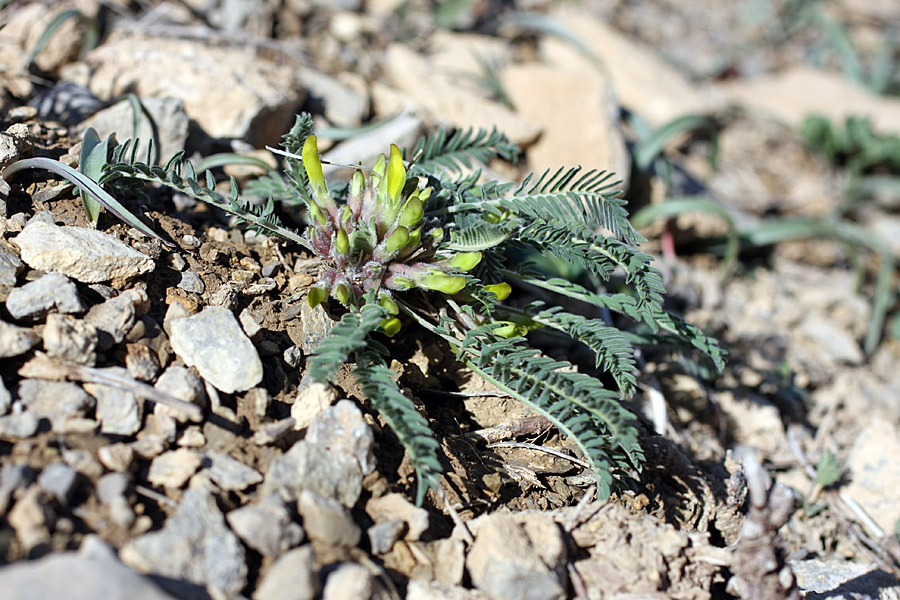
(342, 293)
(396, 174)
(313, 166)
(506, 329)
(316, 296)
(465, 261)
(441, 282)
(390, 326)
(412, 213)
(501, 290)
(389, 304)
(396, 240)
(342, 242)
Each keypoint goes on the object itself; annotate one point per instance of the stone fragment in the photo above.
(13, 479)
(184, 385)
(31, 518)
(114, 318)
(449, 560)
(57, 401)
(291, 577)
(70, 339)
(214, 343)
(349, 580)
(194, 545)
(16, 340)
(311, 467)
(112, 491)
(142, 362)
(10, 265)
(266, 527)
(419, 589)
(86, 255)
(116, 457)
(52, 291)
(793, 94)
(15, 144)
(875, 472)
(539, 90)
(316, 326)
(172, 469)
(5, 399)
(341, 428)
(118, 410)
(383, 536)
(326, 520)
(395, 507)
(311, 401)
(73, 576)
(417, 86)
(228, 473)
(637, 71)
(344, 106)
(58, 481)
(149, 446)
(176, 310)
(18, 426)
(838, 579)
(169, 134)
(250, 322)
(228, 92)
(191, 282)
(521, 556)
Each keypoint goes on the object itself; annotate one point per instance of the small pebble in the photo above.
(58, 481)
(52, 291)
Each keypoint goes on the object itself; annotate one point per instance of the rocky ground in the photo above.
(158, 438)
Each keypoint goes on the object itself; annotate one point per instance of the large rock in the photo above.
(75, 577)
(416, 85)
(230, 91)
(171, 129)
(195, 545)
(643, 81)
(214, 343)
(87, 255)
(518, 557)
(539, 90)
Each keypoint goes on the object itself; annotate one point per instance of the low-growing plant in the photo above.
(420, 240)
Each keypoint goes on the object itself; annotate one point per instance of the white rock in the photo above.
(15, 143)
(341, 428)
(16, 340)
(172, 469)
(643, 81)
(875, 472)
(308, 466)
(518, 556)
(794, 94)
(228, 473)
(291, 577)
(52, 291)
(311, 401)
(538, 91)
(168, 114)
(266, 527)
(18, 426)
(214, 343)
(395, 506)
(195, 545)
(10, 264)
(70, 339)
(417, 86)
(117, 410)
(326, 520)
(349, 580)
(228, 91)
(87, 255)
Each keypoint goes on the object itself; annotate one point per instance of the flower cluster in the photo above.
(380, 239)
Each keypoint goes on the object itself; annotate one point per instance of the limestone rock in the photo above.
(52, 291)
(172, 469)
(326, 520)
(16, 340)
(214, 343)
(168, 113)
(311, 401)
(266, 527)
(341, 428)
(70, 339)
(194, 545)
(228, 91)
(521, 556)
(87, 255)
(228, 473)
(291, 577)
(308, 466)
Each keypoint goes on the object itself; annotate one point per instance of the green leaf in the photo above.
(94, 156)
(349, 335)
(829, 470)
